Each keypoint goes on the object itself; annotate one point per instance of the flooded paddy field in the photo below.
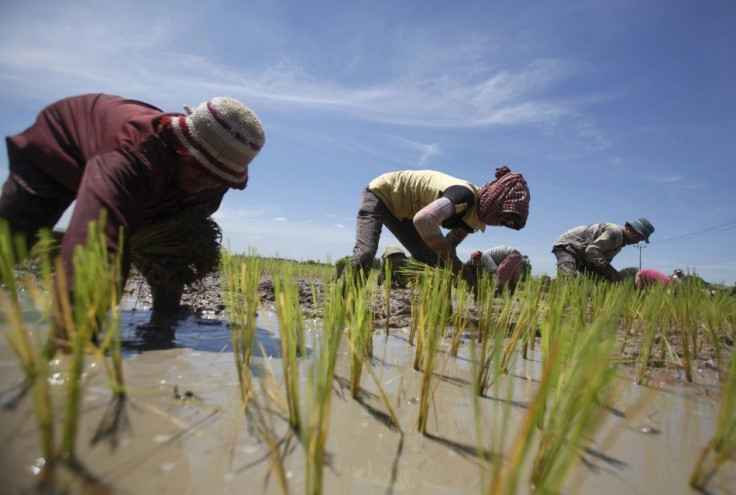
(183, 429)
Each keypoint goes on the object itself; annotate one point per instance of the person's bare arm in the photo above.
(428, 222)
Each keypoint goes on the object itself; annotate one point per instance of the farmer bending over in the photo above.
(415, 204)
(129, 158)
(591, 248)
(502, 262)
(649, 276)
(393, 259)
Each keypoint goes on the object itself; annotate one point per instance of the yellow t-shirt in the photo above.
(406, 192)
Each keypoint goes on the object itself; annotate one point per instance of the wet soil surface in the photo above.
(205, 301)
(187, 431)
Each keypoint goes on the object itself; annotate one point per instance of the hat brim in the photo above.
(635, 229)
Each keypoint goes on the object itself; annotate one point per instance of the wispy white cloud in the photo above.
(128, 49)
(692, 186)
(668, 179)
(422, 151)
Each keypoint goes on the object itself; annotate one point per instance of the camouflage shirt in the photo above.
(595, 244)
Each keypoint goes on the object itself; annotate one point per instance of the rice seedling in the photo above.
(686, 315)
(490, 338)
(526, 323)
(291, 333)
(530, 325)
(498, 435)
(459, 319)
(486, 289)
(716, 321)
(240, 277)
(419, 318)
(729, 330)
(262, 421)
(109, 352)
(318, 391)
(581, 384)
(308, 270)
(358, 301)
(109, 349)
(566, 409)
(418, 315)
(95, 293)
(31, 354)
(631, 303)
(435, 311)
(608, 299)
(722, 447)
(506, 478)
(9, 246)
(578, 296)
(655, 318)
(551, 325)
(492, 345)
(387, 282)
(86, 310)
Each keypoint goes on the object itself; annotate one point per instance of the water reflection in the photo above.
(140, 334)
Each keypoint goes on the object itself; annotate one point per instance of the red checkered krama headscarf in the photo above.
(508, 193)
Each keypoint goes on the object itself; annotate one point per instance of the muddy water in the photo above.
(187, 433)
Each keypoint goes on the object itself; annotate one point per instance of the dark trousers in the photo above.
(372, 216)
(31, 199)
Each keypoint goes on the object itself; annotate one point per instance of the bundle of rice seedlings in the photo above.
(177, 249)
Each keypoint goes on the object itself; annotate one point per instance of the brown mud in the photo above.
(187, 433)
(205, 300)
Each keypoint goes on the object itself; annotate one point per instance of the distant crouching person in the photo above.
(591, 248)
(503, 263)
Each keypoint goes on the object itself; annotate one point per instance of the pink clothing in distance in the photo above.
(650, 276)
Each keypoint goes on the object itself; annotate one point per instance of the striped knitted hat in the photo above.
(222, 135)
(508, 193)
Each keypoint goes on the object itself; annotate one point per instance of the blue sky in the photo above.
(611, 110)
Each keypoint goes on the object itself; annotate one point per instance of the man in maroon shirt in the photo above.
(129, 158)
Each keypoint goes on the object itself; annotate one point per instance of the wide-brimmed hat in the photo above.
(223, 136)
(643, 227)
